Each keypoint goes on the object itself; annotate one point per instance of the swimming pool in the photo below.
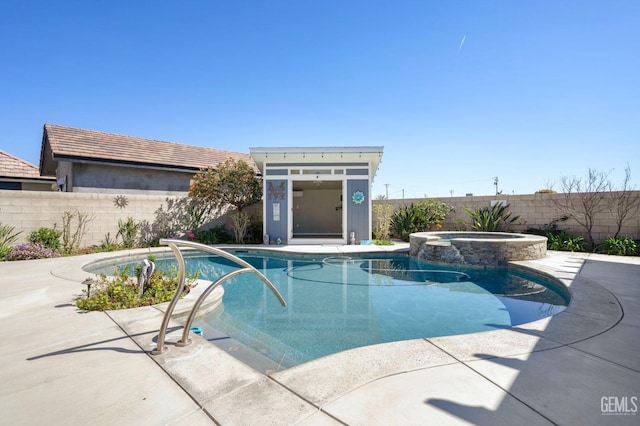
(335, 303)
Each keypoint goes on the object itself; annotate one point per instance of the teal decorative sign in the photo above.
(358, 197)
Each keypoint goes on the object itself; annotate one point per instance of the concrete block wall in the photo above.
(535, 211)
(30, 210)
(27, 211)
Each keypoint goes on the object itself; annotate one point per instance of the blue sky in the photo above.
(457, 92)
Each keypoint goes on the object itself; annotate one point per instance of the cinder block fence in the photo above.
(30, 210)
(535, 211)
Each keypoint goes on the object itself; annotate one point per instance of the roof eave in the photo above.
(370, 154)
(27, 179)
(121, 163)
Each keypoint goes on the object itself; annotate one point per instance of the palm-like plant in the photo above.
(402, 222)
(491, 219)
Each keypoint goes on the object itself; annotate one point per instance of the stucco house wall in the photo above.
(115, 179)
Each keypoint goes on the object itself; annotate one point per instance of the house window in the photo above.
(14, 186)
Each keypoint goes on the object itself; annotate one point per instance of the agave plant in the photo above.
(491, 219)
(402, 222)
(128, 231)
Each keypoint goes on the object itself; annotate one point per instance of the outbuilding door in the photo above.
(317, 210)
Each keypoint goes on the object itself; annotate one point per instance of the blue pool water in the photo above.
(335, 303)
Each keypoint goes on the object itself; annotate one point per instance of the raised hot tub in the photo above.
(476, 248)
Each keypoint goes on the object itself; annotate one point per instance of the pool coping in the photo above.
(337, 389)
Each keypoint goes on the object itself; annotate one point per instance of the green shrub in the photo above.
(378, 242)
(4, 252)
(431, 214)
(128, 231)
(122, 291)
(216, 235)
(254, 230)
(551, 227)
(48, 237)
(8, 236)
(29, 251)
(563, 241)
(402, 222)
(108, 244)
(620, 246)
(491, 219)
(422, 216)
(558, 239)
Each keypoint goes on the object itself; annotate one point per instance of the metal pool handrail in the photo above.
(173, 244)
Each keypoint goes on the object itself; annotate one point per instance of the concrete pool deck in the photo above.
(61, 366)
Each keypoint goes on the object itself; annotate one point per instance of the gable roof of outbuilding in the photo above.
(14, 168)
(90, 146)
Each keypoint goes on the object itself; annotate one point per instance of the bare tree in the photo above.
(382, 213)
(625, 202)
(72, 234)
(583, 198)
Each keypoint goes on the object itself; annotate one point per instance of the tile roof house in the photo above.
(91, 161)
(18, 174)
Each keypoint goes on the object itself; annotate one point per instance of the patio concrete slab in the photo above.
(565, 384)
(619, 345)
(630, 308)
(322, 380)
(619, 276)
(204, 371)
(449, 394)
(319, 419)
(593, 300)
(489, 344)
(261, 402)
(567, 327)
(62, 366)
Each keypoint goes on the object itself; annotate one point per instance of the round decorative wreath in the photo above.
(358, 197)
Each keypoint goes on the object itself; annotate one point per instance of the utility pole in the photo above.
(495, 182)
(450, 192)
(386, 185)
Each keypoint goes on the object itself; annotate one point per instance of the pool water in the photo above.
(337, 303)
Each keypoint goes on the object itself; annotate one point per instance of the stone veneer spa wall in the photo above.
(476, 248)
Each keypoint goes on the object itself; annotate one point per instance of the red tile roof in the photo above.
(89, 145)
(14, 167)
